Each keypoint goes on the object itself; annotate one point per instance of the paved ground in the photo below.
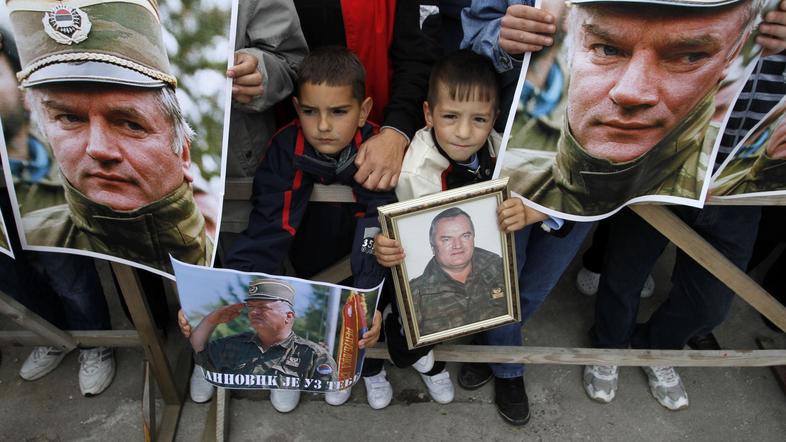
(726, 403)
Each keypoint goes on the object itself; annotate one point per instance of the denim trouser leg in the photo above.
(75, 280)
(698, 301)
(550, 256)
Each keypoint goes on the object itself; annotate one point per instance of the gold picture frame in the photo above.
(441, 307)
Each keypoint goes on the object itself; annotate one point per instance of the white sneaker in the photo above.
(649, 287)
(587, 282)
(600, 382)
(440, 388)
(96, 370)
(379, 392)
(425, 364)
(338, 397)
(284, 401)
(200, 389)
(42, 361)
(666, 386)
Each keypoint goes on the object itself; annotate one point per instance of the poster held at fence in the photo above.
(258, 331)
(756, 166)
(628, 104)
(459, 272)
(123, 158)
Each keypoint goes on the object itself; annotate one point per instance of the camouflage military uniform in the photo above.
(171, 225)
(574, 182)
(751, 175)
(3, 241)
(293, 357)
(442, 303)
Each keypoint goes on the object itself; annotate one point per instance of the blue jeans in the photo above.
(697, 303)
(75, 280)
(550, 256)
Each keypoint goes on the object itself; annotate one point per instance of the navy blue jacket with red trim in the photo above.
(282, 188)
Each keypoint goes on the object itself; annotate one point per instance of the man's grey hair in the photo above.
(453, 212)
(165, 98)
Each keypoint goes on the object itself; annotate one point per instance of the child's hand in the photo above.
(514, 215)
(511, 215)
(182, 322)
(371, 337)
(388, 252)
(523, 28)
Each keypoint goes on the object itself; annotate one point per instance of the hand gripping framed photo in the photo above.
(459, 272)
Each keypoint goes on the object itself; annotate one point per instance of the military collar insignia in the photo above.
(497, 293)
(66, 25)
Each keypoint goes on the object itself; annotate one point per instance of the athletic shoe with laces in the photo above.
(440, 388)
(424, 364)
(510, 397)
(42, 361)
(600, 382)
(96, 370)
(200, 389)
(587, 283)
(666, 386)
(284, 401)
(379, 392)
(338, 397)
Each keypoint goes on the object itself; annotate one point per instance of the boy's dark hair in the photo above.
(466, 76)
(333, 66)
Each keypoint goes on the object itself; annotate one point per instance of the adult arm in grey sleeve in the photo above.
(270, 31)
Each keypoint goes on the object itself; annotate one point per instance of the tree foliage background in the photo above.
(197, 41)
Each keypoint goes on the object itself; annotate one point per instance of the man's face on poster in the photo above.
(113, 144)
(638, 70)
(453, 242)
(269, 318)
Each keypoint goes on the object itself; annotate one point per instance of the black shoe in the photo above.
(705, 342)
(474, 375)
(510, 396)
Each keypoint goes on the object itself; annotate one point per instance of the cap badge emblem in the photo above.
(66, 25)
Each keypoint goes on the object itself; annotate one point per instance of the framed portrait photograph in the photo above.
(459, 272)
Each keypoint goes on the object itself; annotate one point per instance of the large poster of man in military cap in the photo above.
(757, 166)
(628, 104)
(119, 152)
(258, 331)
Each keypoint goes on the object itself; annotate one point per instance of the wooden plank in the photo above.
(334, 193)
(28, 320)
(217, 420)
(335, 273)
(596, 356)
(167, 428)
(778, 370)
(239, 189)
(151, 341)
(223, 397)
(209, 430)
(104, 338)
(148, 404)
(702, 252)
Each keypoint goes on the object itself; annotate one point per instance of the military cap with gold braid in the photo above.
(90, 40)
(270, 290)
